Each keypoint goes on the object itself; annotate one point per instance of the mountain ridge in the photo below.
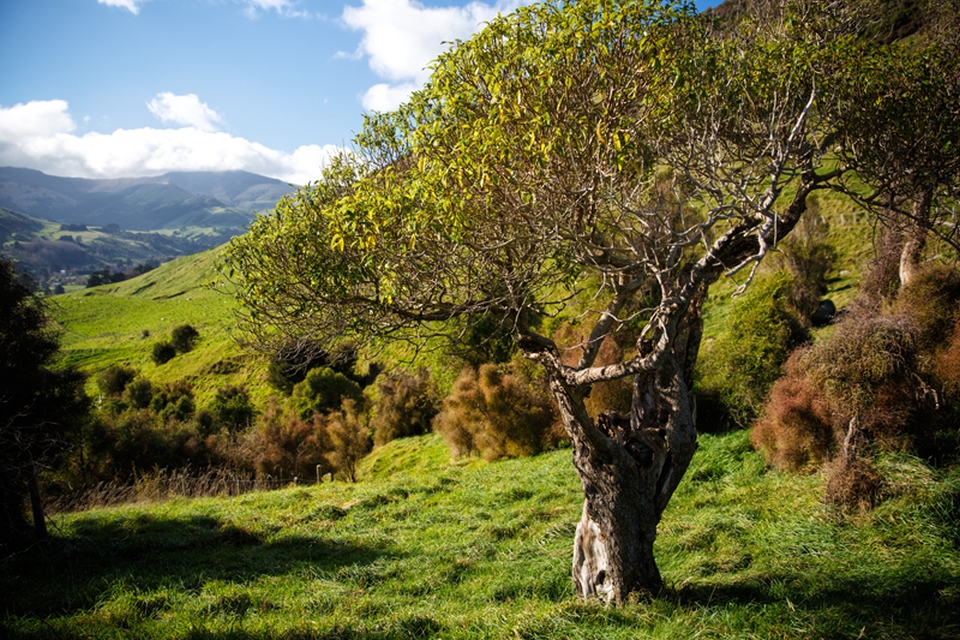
(168, 201)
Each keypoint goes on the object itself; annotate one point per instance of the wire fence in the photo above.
(164, 484)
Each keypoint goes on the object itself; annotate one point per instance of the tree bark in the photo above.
(36, 504)
(915, 240)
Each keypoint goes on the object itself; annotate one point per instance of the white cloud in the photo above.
(186, 110)
(132, 5)
(402, 37)
(39, 135)
(285, 8)
(387, 97)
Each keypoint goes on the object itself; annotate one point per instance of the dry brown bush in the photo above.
(887, 369)
(794, 432)
(282, 444)
(852, 484)
(405, 406)
(496, 415)
(932, 302)
(349, 440)
(946, 365)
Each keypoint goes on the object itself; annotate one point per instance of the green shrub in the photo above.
(406, 405)
(739, 368)
(184, 337)
(809, 258)
(114, 379)
(139, 393)
(173, 401)
(163, 352)
(322, 391)
(291, 364)
(232, 408)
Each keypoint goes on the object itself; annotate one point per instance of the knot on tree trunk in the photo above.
(643, 445)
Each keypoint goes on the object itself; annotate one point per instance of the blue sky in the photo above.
(123, 88)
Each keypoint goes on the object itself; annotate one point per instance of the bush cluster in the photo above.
(329, 421)
(885, 380)
(182, 340)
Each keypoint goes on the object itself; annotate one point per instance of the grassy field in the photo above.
(425, 548)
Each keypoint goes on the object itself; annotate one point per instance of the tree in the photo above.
(183, 338)
(901, 130)
(41, 407)
(620, 154)
(163, 352)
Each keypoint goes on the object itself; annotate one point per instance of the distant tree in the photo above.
(98, 278)
(901, 130)
(232, 407)
(184, 337)
(291, 362)
(322, 391)
(142, 268)
(139, 392)
(113, 380)
(163, 352)
(42, 408)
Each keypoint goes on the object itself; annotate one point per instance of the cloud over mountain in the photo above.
(40, 135)
(185, 110)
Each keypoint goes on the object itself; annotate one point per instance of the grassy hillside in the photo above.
(120, 323)
(56, 252)
(423, 548)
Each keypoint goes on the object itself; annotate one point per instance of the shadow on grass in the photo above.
(911, 607)
(143, 553)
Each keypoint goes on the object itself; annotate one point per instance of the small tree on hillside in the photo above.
(184, 337)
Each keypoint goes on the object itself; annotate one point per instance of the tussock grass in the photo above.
(425, 548)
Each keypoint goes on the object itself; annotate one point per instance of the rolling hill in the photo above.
(60, 229)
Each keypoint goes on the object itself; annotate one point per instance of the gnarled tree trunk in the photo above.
(629, 467)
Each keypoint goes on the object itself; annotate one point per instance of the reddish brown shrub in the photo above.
(794, 432)
(406, 405)
(932, 302)
(946, 365)
(283, 445)
(496, 415)
(349, 440)
(852, 484)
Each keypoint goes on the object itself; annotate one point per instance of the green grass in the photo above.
(424, 548)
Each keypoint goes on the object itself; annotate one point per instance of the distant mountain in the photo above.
(224, 201)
